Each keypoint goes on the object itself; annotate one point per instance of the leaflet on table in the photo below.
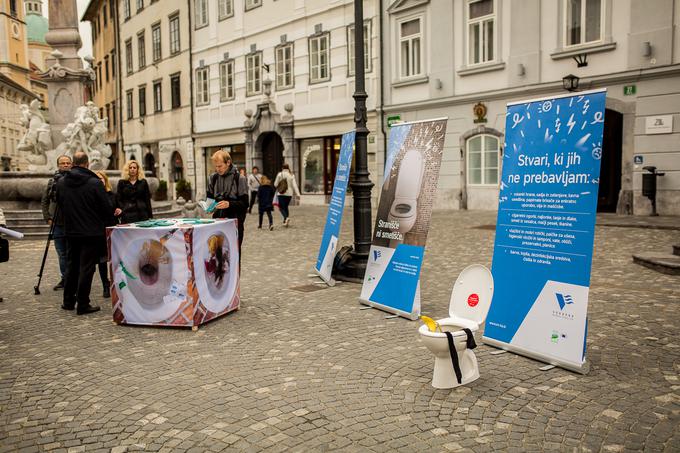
(392, 279)
(331, 232)
(545, 228)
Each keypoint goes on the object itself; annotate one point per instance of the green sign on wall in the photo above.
(393, 119)
(629, 90)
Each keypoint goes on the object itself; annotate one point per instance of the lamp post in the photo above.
(353, 265)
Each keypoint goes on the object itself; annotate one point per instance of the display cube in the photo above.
(174, 272)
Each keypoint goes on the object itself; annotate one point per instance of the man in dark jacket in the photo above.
(52, 216)
(87, 210)
(230, 190)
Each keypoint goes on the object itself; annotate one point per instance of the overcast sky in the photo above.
(85, 33)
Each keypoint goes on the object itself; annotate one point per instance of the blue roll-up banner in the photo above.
(331, 232)
(414, 155)
(545, 228)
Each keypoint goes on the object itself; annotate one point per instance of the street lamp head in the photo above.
(570, 82)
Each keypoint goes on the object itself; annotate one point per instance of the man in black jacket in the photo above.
(52, 216)
(87, 210)
(230, 190)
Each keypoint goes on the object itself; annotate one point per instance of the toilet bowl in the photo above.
(404, 208)
(469, 305)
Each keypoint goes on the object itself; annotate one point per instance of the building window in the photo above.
(112, 9)
(250, 4)
(174, 34)
(128, 55)
(367, 48)
(410, 42)
(175, 91)
(157, 97)
(141, 49)
(203, 85)
(126, 9)
(108, 115)
(156, 41)
(113, 114)
(104, 15)
(253, 73)
(583, 21)
(482, 160)
(227, 80)
(106, 67)
(99, 75)
(284, 66)
(481, 24)
(225, 9)
(140, 5)
(128, 99)
(142, 101)
(13, 7)
(201, 16)
(311, 154)
(319, 58)
(113, 64)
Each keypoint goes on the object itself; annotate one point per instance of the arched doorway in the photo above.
(271, 147)
(610, 166)
(177, 166)
(150, 164)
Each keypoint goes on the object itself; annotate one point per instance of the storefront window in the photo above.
(311, 152)
(237, 153)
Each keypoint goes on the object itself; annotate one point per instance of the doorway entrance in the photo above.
(610, 166)
(150, 164)
(271, 146)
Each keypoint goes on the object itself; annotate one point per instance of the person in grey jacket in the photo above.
(52, 216)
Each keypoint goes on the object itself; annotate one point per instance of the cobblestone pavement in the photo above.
(310, 371)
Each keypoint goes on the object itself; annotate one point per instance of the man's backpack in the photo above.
(282, 186)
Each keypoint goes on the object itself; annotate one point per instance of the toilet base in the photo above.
(444, 377)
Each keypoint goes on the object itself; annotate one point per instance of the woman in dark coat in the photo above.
(104, 258)
(265, 194)
(133, 197)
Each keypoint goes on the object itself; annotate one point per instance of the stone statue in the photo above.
(37, 140)
(87, 133)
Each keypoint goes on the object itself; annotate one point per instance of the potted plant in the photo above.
(162, 191)
(183, 189)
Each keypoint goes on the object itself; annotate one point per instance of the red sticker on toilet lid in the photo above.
(473, 300)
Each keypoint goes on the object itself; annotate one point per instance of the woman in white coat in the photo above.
(286, 188)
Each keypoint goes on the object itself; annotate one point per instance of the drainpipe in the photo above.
(191, 98)
(119, 74)
(382, 88)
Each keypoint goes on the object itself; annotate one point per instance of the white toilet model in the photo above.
(404, 208)
(470, 302)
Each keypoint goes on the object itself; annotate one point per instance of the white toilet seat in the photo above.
(448, 322)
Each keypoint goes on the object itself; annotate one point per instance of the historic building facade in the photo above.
(102, 15)
(442, 59)
(155, 71)
(273, 83)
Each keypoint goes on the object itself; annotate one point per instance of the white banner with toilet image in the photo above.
(414, 154)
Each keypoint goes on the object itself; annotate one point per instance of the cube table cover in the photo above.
(174, 272)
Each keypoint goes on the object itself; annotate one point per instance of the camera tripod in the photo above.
(50, 236)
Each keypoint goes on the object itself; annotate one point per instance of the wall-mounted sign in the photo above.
(638, 159)
(392, 119)
(659, 124)
(480, 113)
(629, 90)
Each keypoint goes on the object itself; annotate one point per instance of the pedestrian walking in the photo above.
(133, 197)
(103, 264)
(265, 197)
(87, 210)
(230, 190)
(48, 204)
(253, 185)
(286, 188)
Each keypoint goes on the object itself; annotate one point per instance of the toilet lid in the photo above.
(472, 294)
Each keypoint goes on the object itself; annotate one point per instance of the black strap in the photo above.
(454, 357)
(470, 339)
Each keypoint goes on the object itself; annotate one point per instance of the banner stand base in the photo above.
(316, 274)
(403, 314)
(583, 369)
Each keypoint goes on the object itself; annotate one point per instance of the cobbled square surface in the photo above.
(310, 371)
